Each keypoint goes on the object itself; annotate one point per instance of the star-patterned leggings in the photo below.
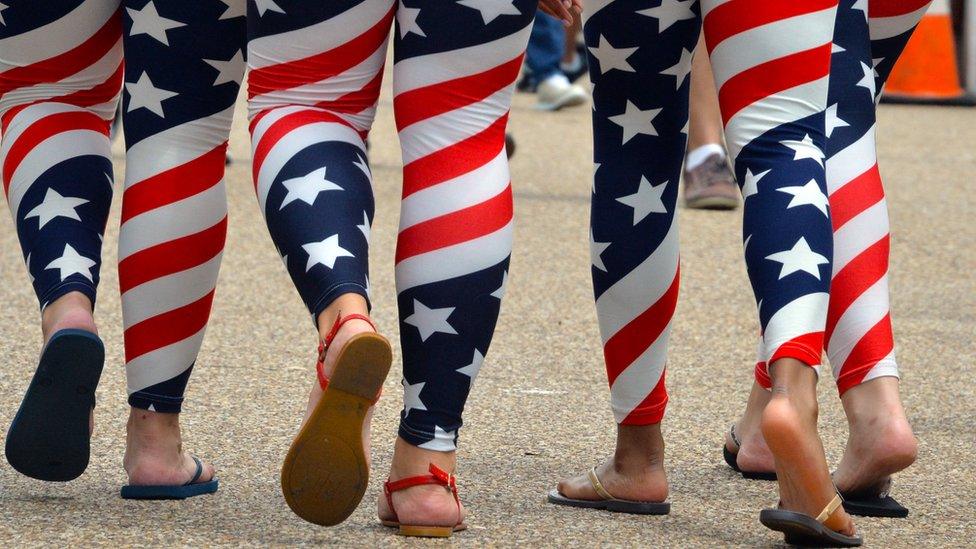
(60, 75)
(315, 78)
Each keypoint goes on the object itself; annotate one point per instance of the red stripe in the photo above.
(630, 342)
(876, 344)
(859, 194)
(357, 101)
(762, 376)
(761, 81)
(651, 409)
(256, 120)
(456, 227)
(61, 66)
(175, 184)
(102, 93)
(866, 269)
(739, 16)
(321, 66)
(807, 348)
(894, 8)
(171, 257)
(46, 128)
(283, 127)
(427, 102)
(167, 328)
(458, 159)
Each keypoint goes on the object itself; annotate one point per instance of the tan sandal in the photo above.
(609, 502)
(437, 476)
(802, 529)
(326, 471)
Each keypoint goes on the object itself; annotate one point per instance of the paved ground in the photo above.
(539, 410)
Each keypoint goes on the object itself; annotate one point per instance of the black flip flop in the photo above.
(882, 505)
(730, 459)
(801, 529)
(49, 438)
(610, 503)
(190, 489)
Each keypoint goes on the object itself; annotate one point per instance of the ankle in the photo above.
(639, 447)
(409, 460)
(72, 310)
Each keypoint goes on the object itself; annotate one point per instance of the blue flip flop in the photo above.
(49, 438)
(190, 489)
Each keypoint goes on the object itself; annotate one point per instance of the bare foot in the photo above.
(426, 505)
(634, 473)
(70, 311)
(880, 443)
(752, 455)
(789, 424)
(154, 454)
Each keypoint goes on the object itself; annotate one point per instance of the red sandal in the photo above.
(326, 471)
(438, 477)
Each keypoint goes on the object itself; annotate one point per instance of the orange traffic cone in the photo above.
(927, 71)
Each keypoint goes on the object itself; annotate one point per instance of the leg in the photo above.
(59, 83)
(641, 90)
(181, 84)
(455, 234)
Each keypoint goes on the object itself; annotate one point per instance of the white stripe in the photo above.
(882, 28)
(591, 7)
(641, 288)
(170, 292)
(426, 70)
(773, 111)
(59, 36)
(769, 42)
(466, 190)
(857, 158)
(26, 118)
(269, 119)
(886, 367)
(172, 221)
(859, 234)
(804, 315)
(455, 261)
(314, 39)
(163, 364)
(427, 136)
(862, 315)
(636, 382)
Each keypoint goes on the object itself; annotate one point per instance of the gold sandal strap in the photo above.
(598, 486)
(830, 508)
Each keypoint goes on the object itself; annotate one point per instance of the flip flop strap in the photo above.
(598, 486)
(735, 439)
(327, 341)
(198, 473)
(830, 508)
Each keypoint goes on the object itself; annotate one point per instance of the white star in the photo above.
(325, 252)
(867, 81)
(799, 258)
(684, 130)
(635, 121)
(411, 397)
(443, 441)
(681, 69)
(143, 94)
(834, 121)
(369, 289)
(874, 64)
(751, 185)
(807, 195)
(3, 7)
(430, 321)
(29, 273)
(596, 252)
(71, 262)
(804, 149)
(266, 6)
(745, 243)
(501, 289)
(646, 200)
(596, 168)
(492, 9)
(111, 184)
(612, 58)
(148, 21)
(363, 166)
(471, 370)
(231, 70)
(836, 48)
(307, 187)
(407, 21)
(55, 205)
(861, 5)
(365, 227)
(235, 8)
(670, 12)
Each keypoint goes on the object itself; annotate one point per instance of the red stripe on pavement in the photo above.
(651, 409)
(738, 16)
(807, 348)
(171, 257)
(761, 81)
(855, 278)
(458, 159)
(167, 328)
(427, 102)
(175, 184)
(456, 227)
(321, 66)
(283, 127)
(894, 8)
(857, 195)
(876, 344)
(630, 342)
(61, 66)
(46, 128)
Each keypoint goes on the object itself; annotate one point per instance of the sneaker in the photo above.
(711, 185)
(557, 92)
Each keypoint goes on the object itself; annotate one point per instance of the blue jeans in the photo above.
(545, 49)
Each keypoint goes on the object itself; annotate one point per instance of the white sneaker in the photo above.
(557, 92)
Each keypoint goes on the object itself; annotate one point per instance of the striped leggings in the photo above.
(61, 72)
